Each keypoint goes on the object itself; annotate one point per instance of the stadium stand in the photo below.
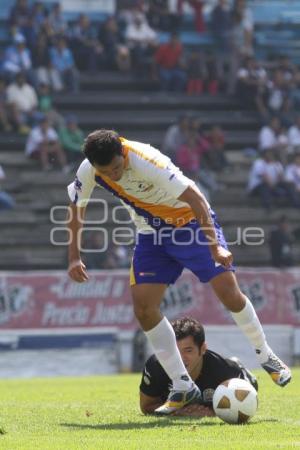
(140, 112)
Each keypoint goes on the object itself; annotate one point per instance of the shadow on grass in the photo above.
(160, 423)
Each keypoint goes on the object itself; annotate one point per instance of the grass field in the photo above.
(102, 413)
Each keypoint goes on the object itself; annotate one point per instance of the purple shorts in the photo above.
(160, 257)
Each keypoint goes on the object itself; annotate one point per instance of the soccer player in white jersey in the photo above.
(177, 229)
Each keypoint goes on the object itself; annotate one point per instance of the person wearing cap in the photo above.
(71, 138)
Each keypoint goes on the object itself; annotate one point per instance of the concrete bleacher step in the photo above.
(15, 217)
(253, 215)
(256, 255)
(112, 100)
(149, 120)
(16, 159)
(234, 177)
(33, 259)
(116, 81)
(239, 159)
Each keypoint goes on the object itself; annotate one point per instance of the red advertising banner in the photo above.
(51, 299)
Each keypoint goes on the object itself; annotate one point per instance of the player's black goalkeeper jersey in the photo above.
(216, 369)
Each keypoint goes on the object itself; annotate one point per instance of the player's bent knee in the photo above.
(234, 301)
(144, 312)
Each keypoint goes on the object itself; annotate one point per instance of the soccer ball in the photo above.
(235, 401)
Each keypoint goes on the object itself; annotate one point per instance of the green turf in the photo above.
(102, 413)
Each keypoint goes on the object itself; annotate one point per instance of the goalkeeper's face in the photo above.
(191, 353)
(114, 170)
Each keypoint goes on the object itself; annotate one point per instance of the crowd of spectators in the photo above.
(275, 174)
(198, 151)
(50, 50)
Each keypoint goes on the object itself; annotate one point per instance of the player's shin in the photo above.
(249, 323)
(162, 339)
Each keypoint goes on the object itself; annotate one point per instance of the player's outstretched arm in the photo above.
(199, 205)
(76, 269)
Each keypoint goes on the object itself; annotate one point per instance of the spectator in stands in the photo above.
(17, 59)
(127, 10)
(239, 47)
(19, 15)
(215, 158)
(46, 107)
(190, 157)
(196, 72)
(62, 60)
(6, 201)
(118, 257)
(213, 83)
(141, 39)
(87, 49)
(43, 144)
(71, 138)
(49, 32)
(38, 13)
(281, 244)
(278, 97)
(160, 17)
(171, 66)
(4, 114)
(197, 6)
(251, 85)
(240, 9)
(220, 27)
(95, 253)
(23, 102)
(266, 180)
(30, 33)
(292, 174)
(176, 135)
(45, 72)
(57, 21)
(115, 52)
(273, 137)
(295, 88)
(294, 135)
(288, 69)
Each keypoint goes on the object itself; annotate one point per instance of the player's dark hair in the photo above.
(186, 327)
(101, 146)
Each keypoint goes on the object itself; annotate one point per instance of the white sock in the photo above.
(162, 339)
(249, 323)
